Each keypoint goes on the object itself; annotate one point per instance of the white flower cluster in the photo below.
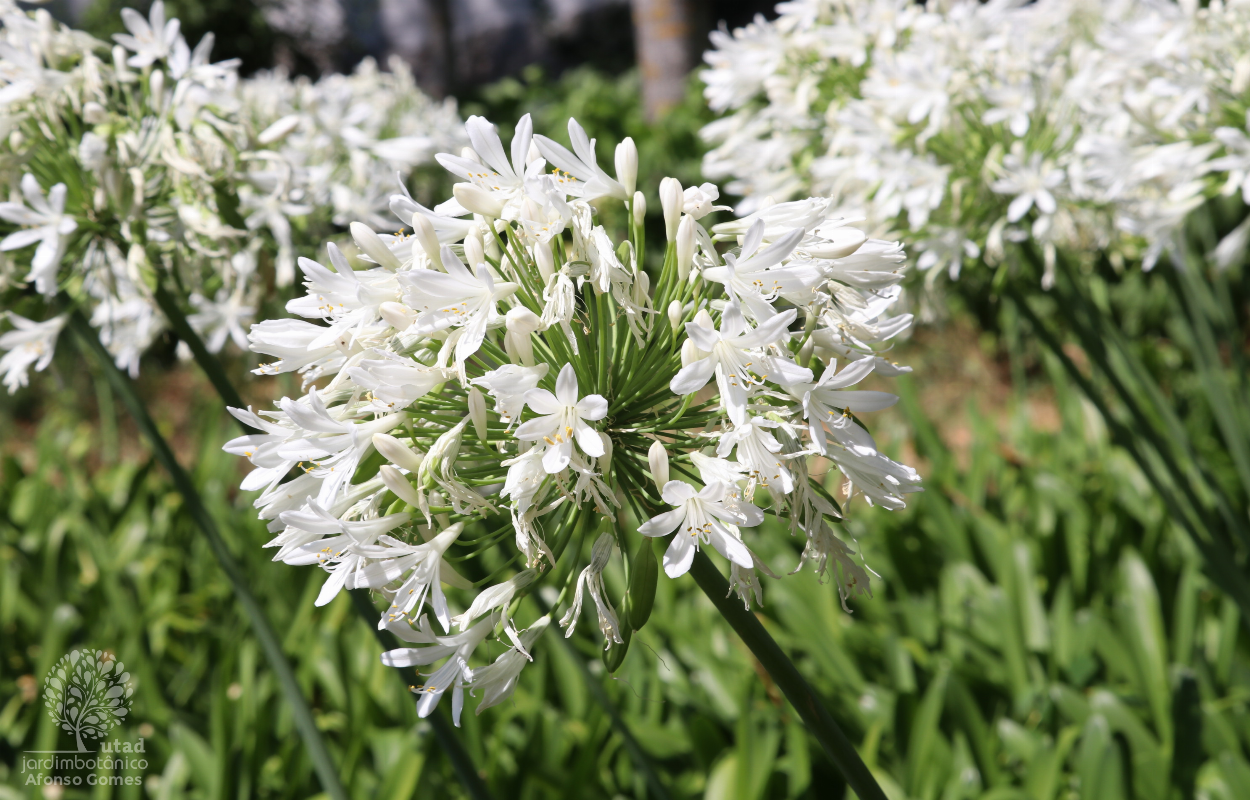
(151, 164)
(337, 143)
(1073, 125)
(509, 367)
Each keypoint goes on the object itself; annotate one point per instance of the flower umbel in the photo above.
(502, 371)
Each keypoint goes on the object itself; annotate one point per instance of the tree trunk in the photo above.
(662, 41)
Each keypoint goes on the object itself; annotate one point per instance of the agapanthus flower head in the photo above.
(505, 368)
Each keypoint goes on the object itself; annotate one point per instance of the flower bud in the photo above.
(279, 130)
(470, 154)
(397, 452)
(372, 245)
(545, 260)
(657, 459)
(427, 237)
(477, 200)
(675, 313)
(442, 456)
(685, 246)
(156, 90)
(474, 252)
(671, 200)
(399, 485)
(477, 412)
(521, 323)
(94, 113)
(605, 460)
(490, 244)
(120, 70)
(523, 320)
(704, 319)
(627, 164)
(397, 315)
(640, 209)
(805, 352)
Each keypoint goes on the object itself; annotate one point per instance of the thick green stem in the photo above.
(300, 712)
(787, 677)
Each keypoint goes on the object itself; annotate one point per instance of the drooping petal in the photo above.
(679, 556)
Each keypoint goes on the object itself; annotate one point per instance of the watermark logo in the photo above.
(88, 694)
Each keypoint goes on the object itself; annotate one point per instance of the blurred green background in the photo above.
(1040, 630)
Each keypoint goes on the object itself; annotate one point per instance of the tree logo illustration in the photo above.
(88, 694)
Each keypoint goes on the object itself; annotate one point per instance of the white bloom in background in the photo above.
(150, 39)
(47, 223)
(1110, 121)
(1030, 182)
(29, 344)
(221, 318)
(187, 170)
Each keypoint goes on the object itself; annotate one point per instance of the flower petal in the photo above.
(664, 524)
(592, 407)
(542, 401)
(679, 556)
(566, 386)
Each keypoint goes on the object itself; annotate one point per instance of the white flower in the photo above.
(822, 399)
(500, 179)
(590, 180)
(739, 354)
(454, 674)
(701, 517)
(498, 681)
(499, 596)
(456, 298)
(221, 318)
(757, 278)
(591, 579)
(28, 344)
(1030, 181)
(562, 420)
(426, 570)
(757, 451)
(150, 39)
(47, 224)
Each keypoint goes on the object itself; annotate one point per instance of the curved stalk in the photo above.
(317, 751)
(816, 717)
